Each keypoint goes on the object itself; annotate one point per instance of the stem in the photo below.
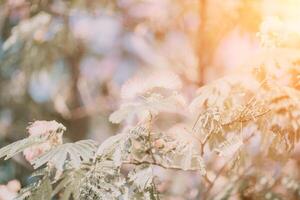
(136, 162)
(167, 167)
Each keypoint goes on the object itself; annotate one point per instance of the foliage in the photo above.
(248, 121)
(221, 120)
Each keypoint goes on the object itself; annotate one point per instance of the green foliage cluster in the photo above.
(223, 119)
(246, 120)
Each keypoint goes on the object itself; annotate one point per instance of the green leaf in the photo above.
(153, 104)
(40, 190)
(19, 146)
(115, 148)
(142, 176)
(230, 146)
(73, 153)
(70, 184)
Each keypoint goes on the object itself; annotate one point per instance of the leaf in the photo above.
(70, 184)
(44, 190)
(109, 145)
(73, 153)
(121, 114)
(187, 160)
(190, 159)
(230, 146)
(142, 176)
(19, 146)
(211, 95)
(40, 190)
(149, 105)
(102, 181)
(208, 124)
(38, 173)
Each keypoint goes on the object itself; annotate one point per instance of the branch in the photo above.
(167, 167)
(137, 162)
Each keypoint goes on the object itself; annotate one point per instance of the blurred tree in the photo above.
(47, 46)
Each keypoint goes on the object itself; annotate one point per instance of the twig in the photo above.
(136, 162)
(168, 167)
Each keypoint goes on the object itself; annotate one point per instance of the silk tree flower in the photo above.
(141, 84)
(52, 129)
(9, 191)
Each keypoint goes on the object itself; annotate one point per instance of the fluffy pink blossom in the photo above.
(46, 128)
(9, 191)
(140, 84)
(33, 152)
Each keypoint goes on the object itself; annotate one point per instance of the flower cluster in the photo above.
(52, 129)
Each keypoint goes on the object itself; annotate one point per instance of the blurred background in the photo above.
(66, 60)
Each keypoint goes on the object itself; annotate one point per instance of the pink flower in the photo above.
(33, 152)
(44, 127)
(9, 191)
(141, 84)
(52, 129)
